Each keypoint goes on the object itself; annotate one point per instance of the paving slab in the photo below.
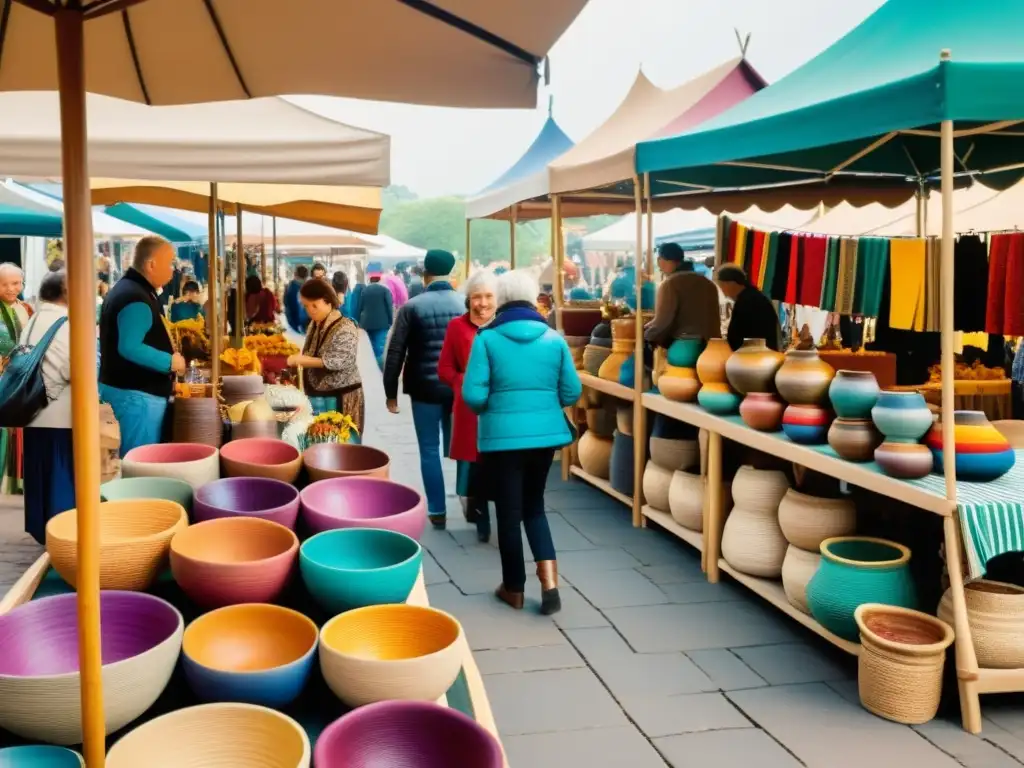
(576, 612)
(789, 663)
(968, 749)
(703, 592)
(618, 747)
(601, 559)
(533, 659)
(736, 748)
(656, 549)
(1003, 739)
(686, 570)
(660, 716)
(726, 670)
(490, 624)
(616, 589)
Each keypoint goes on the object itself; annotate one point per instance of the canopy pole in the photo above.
(263, 250)
(238, 321)
(512, 235)
(919, 201)
(276, 266)
(557, 260)
(639, 413)
(85, 398)
(216, 326)
(469, 250)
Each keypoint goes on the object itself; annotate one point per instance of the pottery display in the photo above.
(168, 488)
(670, 429)
(40, 684)
(853, 394)
(391, 652)
(902, 417)
(595, 454)
(806, 521)
(395, 733)
(719, 399)
(627, 372)
(624, 419)
(242, 430)
(854, 439)
(212, 736)
(752, 367)
(904, 460)
(762, 411)
(982, 452)
(679, 384)
(602, 421)
(593, 357)
(363, 502)
(674, 454)
(656, 483)
(684, 351)
(233, 560)
(798, 568)
(804, 377)
(620, 466)
(623, 347)
(354, 567)
(995, 614)
(40, 756)
(752, 542)
(855, 570)
(194, 463)
(261, 457)
(197, 420)
(759, 490)
(260, 497)
(324, 460)
(238, 389)
(255, 653)
(899, 668)
(806, 424)
(686, 500)
(134, 539)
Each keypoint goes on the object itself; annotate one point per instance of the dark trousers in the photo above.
(516, 482)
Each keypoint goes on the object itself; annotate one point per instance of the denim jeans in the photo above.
(378, 340)
(433, 424)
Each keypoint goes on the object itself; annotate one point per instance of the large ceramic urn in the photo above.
(715, 395)
(753, 366)
(623, 347)
(804, 377)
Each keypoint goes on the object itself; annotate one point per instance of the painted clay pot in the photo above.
(711, 363)
(806, 521)
(323, 460)
(982, 452)
(762, 411)
(686, 500)
(627, 372)
(995, 614)
(261, 457)
(601, 421)
(620, 466)
(903, 417)
(656, 483)
(798, 569)
(906, 461)
(806, 424)
(753, 543)
(853, 394)
(760, 490)
(595, 454)
(804, 377)
(718, 399)
(660, 363)
(685, 350)
(363, 502)
(674, 454)
(854, 439)
(679, 384)
(752, 367)
(622, 350)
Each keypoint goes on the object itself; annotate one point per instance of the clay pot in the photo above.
(711, 363)
(601, 421)
(854, 439)
(620, 466)
(762, 411)
(853, 394)
(595, 454)
(656, 484)
(593, 357)
(798, 568)
(624, 419)
(995, 614)
(194, 463)
(804, 377)
(806, 521)
(806, 424)
(660, 363)
(679, 384)
(238, 389)
(904, 460)
(760, 490)
(686, 500)
(611, 368)
(685, 350)
(753, 543)
(627, 372)
(197, 420)
(674, 454)
(982, 453)
(624, 329)
(242, 430)
(752, 367)
(580, 322)
(718, 399)
(903, 417)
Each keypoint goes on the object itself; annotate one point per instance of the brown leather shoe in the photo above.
(513, 599)
(550, 601)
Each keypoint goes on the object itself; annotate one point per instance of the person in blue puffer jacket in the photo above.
(519, 377)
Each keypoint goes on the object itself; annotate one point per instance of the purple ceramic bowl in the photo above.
(261, 497)
(364, 502)
(418, 733)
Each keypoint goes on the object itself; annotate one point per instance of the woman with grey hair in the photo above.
(519, 378)
(451, 367)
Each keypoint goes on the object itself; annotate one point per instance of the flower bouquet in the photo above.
(331, 427)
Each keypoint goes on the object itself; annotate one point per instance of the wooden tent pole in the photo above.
(85, 416)
(639, 414)
(558, 260)
(238, 321)
(273, 251)
(213, 289)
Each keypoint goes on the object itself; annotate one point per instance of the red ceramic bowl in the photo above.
(363, 502)
(233, 560)
(261, 457)
(345, 460)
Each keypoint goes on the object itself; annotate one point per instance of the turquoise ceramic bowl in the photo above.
(855, 570)
(684, 351)
(169, 488)
(350, 568)
(723, 402)
(903, 417)
(40, 757)
(853, 394)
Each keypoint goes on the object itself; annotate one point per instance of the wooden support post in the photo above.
(714, 517)
(214, 291)
(238, 321)
(639, 422)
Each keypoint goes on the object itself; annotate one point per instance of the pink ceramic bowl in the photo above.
(195, 463)
(363, 502)
(261, 457)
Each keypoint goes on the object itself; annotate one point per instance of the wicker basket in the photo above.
(995, 614)
(901, 660)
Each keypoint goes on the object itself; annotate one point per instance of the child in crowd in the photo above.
(188, 306)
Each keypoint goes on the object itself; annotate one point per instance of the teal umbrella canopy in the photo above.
(24, 222)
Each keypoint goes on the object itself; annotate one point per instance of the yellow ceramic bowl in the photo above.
(391, 652)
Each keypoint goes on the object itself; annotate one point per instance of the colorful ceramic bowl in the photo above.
(854, 439)
(169, 488)
(719, 399)
(853, 394)
(260, 497)
(982, 452)
(904, 460)
(214, 736)
(762, 411)
(195, 463)
(38, 756)
(233, 560)
(345, 460)
(253, 653)
(134, 540)
(40, 696)
(261, 457)
(394, 733)
(383, 652)
(354, 567)
(806, 424)
(364, 502)
(684, 351)
(903, 417)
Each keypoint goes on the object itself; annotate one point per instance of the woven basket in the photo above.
(901, 660)
(752, 542)
(593, 357)
(656, 484)
(995, 614)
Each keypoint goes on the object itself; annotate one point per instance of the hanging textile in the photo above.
(970, 284)
(768, 265)
(741, 244)
(796, 255)
(872, 261)
(998, 255)
(812, 273)
(780, 277)
(756, 252)
(907, 265)
(933, 286)
(847, 280)
(732, 231)
(828, 287)
(721, 238)
(748, 250)
(1013, 315)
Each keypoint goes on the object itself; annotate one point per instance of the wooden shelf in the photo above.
(812, 457)
(601, 484)
(612, 388)
(694, 538)
(772, 591)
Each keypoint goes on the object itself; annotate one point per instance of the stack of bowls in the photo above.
(39, 674)
(261, 457)
(38, 756)
(259, 497)
(363, 502)
(238, 389)
(197, 420)
(326, 460)
(168, 488)
(194, 463)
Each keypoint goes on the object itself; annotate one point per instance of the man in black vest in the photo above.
(137, 361)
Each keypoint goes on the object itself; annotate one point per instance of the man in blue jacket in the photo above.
(376, 307)
(293, 310)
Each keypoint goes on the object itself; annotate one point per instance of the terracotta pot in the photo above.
(903, 417)
(685, 350)
(593, 357)
(595, 454)
(624, 419)
(242, 430)
(579, 322)
(753, 543)
(624, 329)
(674, 454)
(752, 367)
(853, 394)
(759, 490)
(995, 614)
(804, 377)
(679, 384)
(686, 500)
(854, 439)
(762, 411)
(711, 363)
(656, 484)
(982, 453)
(806, 424)
(718, 399)
(261, 457)
(904, 460)
(798, 568)
(806, 521)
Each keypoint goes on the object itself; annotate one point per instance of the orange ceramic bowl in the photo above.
(233, 560)
(261, 457)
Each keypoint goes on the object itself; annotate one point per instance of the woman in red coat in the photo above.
(458, 341)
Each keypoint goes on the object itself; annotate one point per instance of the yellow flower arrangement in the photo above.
(240, 359)
(275, 345)
(331, 427)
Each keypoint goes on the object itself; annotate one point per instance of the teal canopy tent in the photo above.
(866, 111)
(23, 218)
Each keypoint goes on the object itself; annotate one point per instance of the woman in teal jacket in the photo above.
(519, 378)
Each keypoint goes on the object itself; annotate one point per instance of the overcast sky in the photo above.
(456, 151)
